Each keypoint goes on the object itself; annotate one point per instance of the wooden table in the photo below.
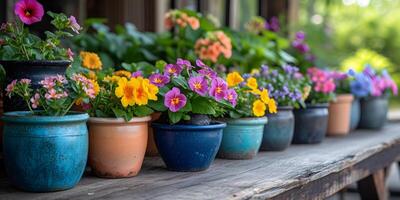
(301, 172)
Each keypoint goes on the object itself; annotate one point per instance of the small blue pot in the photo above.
(373, 112)
(278, 133)
(355, 114)
(311, 124)
(188, 148)
(45, 153)
(242, 138)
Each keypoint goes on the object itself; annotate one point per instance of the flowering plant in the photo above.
(16, 43)
(250, 100)
(258, 24)
(378, 83)
(301, 51)
(56, 95)
(342, 81)
(323, 86)
(213, 45)
(286, 84)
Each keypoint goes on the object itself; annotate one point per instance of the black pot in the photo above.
(311, 124)
(373, 112)
(278, 132)
(35, 70)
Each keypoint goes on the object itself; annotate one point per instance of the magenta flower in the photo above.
(218, 88)
(200, 63)
(26, 81)
(174, 100)
(137, 74)
(231, 96)
(35, 101)
(73, 24)
(206, 71)
(29, 11)
(199, 85)
(10, 87)
(159, 80)
(172, 69)
(184, 63)
(70, 54)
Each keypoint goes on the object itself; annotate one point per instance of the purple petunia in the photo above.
(231, 97)
(208, 72)
(159, 80)
(172, 69)
(137, 74)
(218, 88)
(199, 85)
(174, 100)
(200, 63)
(184, 63)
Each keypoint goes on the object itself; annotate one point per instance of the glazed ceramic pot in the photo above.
(188, 147)
(373, 112)
(116, 147)
(35, 70)
(355, 114)
(340, 115)
(151, 150)
(310, 124)
(242, 138)
(278, 133)
(45, 153)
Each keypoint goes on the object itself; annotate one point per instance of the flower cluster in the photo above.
(273, 24)
(323, 85)
(256, 25)
(53, 87)
(380, 83)
(214, 44)
(135, 91)
(91, 60)
(360, 85)
(181, 19)
(299, 43)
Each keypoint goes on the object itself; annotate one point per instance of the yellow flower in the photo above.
(255, 72)
(151, 89)
(259, 108)
(252, 83)
(234, 79)
(306, 92)
(113, 79)
(140, 94)
(96, 87)
(265, 96)
(92, 75)
(125, 91)
(272, 106)
(91, 60)
(123, 73)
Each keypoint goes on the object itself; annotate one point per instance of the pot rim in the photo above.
(109, 120)
(343, 98)
(28, 117)
(37, 62)
(247, 120)
(284, 108)
(318, 105)
(212, 126)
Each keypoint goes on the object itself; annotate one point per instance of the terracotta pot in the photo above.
(339, 115)
(151, 150)
(116, 147)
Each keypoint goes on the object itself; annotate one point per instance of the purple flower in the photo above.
(288, 69)
(275, 73)
(300, 46)
(206, 71)
(200, 63)
(70, 54)
(29, 11)
(273, 24)
(199, 85)
(300, 35)
(73, 24)
(137, 74)
(218, 88)
(159, 80)
(369, 71)
(172, 69)
(184, 63)
(174, 100)
(231, 97)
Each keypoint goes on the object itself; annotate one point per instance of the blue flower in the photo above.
(361, 86)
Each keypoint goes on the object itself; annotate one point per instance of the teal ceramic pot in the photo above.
(373, 112)
(355, 114)
(278, 133)
(242, 138)
(43, 153)
(311, 124)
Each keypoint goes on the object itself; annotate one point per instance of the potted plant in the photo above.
(25, 55)
(340, 107)
(46, 150)
(311, 123)
(186, 137)
(285, 86)
(245, 122)
(377, 102)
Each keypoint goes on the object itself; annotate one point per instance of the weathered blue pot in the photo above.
(355, 114)
(311, 124)
(373, 112)
(242, 138)
(188, 147)
(278, 133)
(43, 153)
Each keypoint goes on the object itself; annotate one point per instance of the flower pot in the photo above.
(373, 112)
(310, 124)
(278, 133)
(45, 153)
(116, 147)
(35, 70)
(151, 149)
(242, 138)
(188, 147)
(339, 115)
(355, 114)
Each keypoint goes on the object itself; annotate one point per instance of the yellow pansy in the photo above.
(259, 108)
(122, 73)
(151, 89)
(272, 106)
(125, 91)
(140, 93)
(113, 79)
(255, 72)
(91, 60)
(264, 95)
(233, 79)
(252, 83)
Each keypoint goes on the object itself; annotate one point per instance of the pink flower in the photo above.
(159, 80)
(10, 87)
(137, 74)
(70, 54)
(35, 100)
(172, 69)
(208, 72)
(86, 84)
(200, 63)
(29, 11)
(218, 88)
(25, 81)
(231, 96)
(199, 85)
(73, 24)
(174, 100)
(51, 94)
(184, 63)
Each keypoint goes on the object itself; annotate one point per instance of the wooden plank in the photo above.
(373, 186)
(303, 171)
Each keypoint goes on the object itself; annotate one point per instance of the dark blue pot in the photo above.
(373, 112)
(43, 153)
(242, 138)
(188, 147)
(311, 124)
(355, 114)
(278, 133)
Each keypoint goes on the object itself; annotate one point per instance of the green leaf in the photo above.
(119, 113)
(180, 82)
(157, 105)
(201, 105)
(234, 115)
(142, 111)
(174, 117)
(187, 107)
(160, 65)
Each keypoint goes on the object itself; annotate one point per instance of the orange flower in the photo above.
(213, 45)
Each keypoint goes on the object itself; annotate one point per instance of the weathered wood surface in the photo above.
(301, 172)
